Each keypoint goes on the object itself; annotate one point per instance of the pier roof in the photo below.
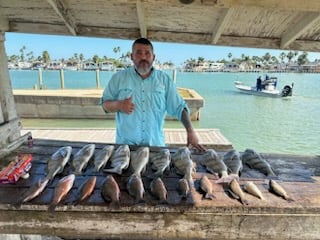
(273, 24)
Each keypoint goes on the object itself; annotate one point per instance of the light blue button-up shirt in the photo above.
(153, 97)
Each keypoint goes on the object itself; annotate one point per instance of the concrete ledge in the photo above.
(83, 103)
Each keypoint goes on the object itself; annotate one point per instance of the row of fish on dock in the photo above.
(227, 167)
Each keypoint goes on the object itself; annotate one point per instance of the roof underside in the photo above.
(271, 24)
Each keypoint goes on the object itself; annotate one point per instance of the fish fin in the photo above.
(227, 179)
(289, 199)
(232, 194)
(18, 204)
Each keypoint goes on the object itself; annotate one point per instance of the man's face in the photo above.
(142, 57)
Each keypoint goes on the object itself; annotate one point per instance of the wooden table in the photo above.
(193, 218)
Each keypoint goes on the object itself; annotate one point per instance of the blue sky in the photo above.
(65, 46)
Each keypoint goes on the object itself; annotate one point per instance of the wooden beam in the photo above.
(141, 19)
(223, 20)
(60, 7)
(298, 29)
(292, 5)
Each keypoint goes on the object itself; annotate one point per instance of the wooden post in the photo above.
(174, 75)
(61, 78)
(40, 78)
(9, 120)
(97, 78)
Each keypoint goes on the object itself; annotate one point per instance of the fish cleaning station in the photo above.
(78, 184)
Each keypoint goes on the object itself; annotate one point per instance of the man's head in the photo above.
(142, 56)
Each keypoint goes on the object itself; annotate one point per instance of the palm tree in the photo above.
(22, 53)
(45, 56)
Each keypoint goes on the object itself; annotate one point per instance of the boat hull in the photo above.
(265, 92)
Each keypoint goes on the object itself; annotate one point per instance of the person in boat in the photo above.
(259, 84)
(141, 96)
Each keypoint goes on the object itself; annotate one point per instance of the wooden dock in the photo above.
(210, 138)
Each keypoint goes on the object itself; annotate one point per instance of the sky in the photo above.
(177, 53)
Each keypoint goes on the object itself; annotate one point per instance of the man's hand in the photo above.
(193, 141)
(126, 105)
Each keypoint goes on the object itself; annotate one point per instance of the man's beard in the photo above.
(143, 67)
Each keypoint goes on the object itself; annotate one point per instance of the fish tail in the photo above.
(115, 204)
(18, 204)
(244, 201)
(155, 175)
(52, 207)
(289, 199)
(209, 196)
(113, 170)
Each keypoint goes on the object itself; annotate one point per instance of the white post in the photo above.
(174, 75)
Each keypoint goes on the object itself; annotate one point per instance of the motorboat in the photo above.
(267, 89)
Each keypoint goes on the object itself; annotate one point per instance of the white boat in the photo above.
(268, 89)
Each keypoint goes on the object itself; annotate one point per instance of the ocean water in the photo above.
(266, 124)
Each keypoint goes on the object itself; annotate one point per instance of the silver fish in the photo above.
(183, 188)
(237, 192)
(160, 162)
(119, 160)
(82, 157)
(86, 189)
(135, 188)
(233, 161)
(33, 192)
(215, 165)
(101, 158)
(57, 161)
(61, 190)
(158, 189)
(206, 186)
(251, 188)
(255, 161)
(184, 164)
(139, 160)
(279, 190)
(110, 191)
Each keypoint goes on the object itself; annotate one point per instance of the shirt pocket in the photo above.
(124, 93)
(159, 99)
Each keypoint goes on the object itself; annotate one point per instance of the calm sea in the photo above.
(265, 124)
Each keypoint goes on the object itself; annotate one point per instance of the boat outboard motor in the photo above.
(286, 91)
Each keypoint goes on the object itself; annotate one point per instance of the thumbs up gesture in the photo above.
(127, 105)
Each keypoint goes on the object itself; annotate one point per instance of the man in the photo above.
(141, 96)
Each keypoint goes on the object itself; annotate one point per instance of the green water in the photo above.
(265, 124)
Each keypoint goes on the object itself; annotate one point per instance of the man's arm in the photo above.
(192, 138)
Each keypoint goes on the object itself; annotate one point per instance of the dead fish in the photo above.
(255, 161)
(237, 192)
(101, 158)
(214, 163)
(135, 188)
(33, 192)
(184, 164)
(206, 186)
(110, 191)
(251, 188)
(82, 157)
(139, 160)
(120, 160)
(61, 190)
(86, 189)
(233, 162)
(183, 188)
(158, 189)
(160, 162)
(57, 161)
(276, 188)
